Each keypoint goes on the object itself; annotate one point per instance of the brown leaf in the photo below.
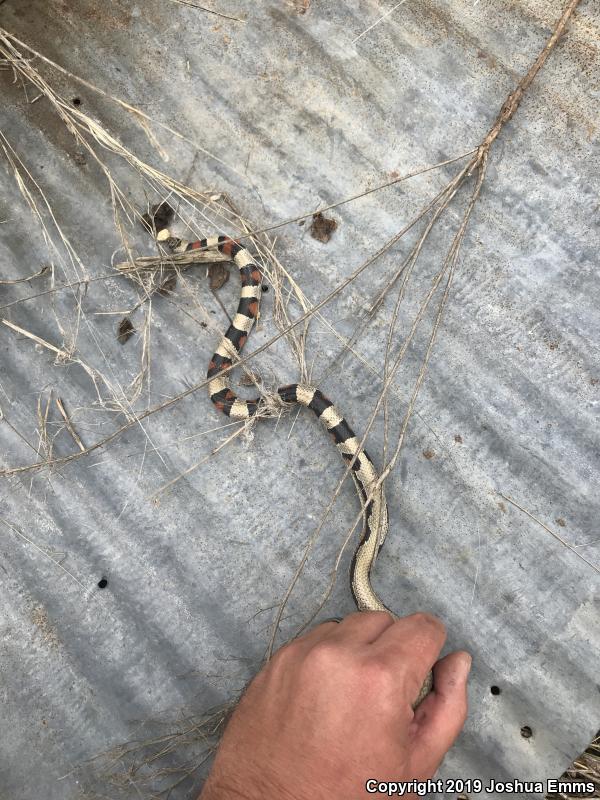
(218, 275)
(125, 330)
(322, 228)
(167, 287)
(158, 217)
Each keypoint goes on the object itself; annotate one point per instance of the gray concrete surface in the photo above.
(307, 116)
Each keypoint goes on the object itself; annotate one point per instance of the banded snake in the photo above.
(363, 471)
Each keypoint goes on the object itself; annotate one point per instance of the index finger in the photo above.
(412, 646)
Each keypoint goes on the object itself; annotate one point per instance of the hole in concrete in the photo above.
(76, 101)
(526, 732)
(264, 288)
(495, 690)
(102, 583)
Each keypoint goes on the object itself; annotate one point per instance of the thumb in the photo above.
(440, 717)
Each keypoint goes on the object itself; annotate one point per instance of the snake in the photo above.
(366, 478)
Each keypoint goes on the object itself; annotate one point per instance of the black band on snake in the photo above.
(363, 471)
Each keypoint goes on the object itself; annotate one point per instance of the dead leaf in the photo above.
(322, 228)
(218, 275)
(249, 379)
(125, 330)
(158, 218)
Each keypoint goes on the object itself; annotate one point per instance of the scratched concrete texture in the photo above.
(297, 112)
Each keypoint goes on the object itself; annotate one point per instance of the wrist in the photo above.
(214, 790)
(219, 787)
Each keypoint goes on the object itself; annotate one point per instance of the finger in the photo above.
(441, 716)
(412, 644)
(363, 627)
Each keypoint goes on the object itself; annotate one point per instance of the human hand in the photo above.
(333, 709)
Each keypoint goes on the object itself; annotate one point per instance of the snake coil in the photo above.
(365, 475)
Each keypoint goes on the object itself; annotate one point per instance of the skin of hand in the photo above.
(333, 709)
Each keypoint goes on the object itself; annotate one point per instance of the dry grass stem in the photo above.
(69, 425)
(42, 552)
(559, 538)
(208, 10)
(27, 279)
(241, 429)
(24, 65)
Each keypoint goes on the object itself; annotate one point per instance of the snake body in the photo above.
(366, 478)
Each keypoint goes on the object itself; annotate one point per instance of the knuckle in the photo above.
(377, 674)
(430, 622)
(284, 655)
(324, 656)
(325, 653)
